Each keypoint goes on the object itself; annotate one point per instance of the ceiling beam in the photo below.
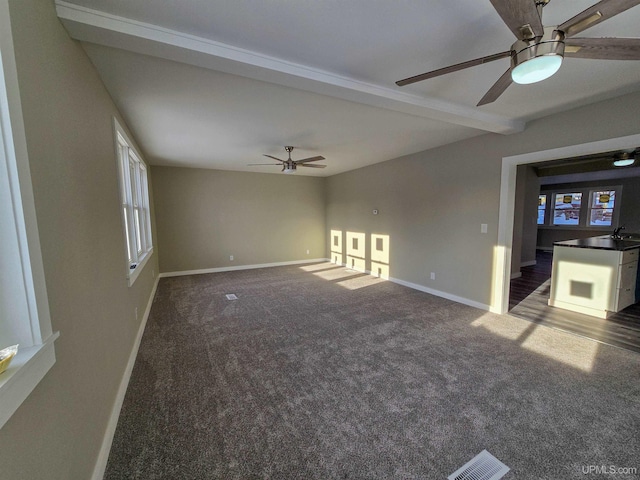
(98, 27)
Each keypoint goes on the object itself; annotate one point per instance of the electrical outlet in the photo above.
(231, 258)
(483, 228)
(136, 313)
(433, 275)
(307, 251)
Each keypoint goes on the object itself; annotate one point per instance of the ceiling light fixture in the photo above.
(289, 167)
(624, 159)
(534, 60)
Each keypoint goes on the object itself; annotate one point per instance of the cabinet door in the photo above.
(627, 275)
(629, 256)
(625, 297)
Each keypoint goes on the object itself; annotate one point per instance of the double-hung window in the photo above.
(567, 208)
(601, 207)
(134, 197)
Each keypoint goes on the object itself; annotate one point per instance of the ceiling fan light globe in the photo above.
(536, 69)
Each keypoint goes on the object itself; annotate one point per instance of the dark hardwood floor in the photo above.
(528, 300)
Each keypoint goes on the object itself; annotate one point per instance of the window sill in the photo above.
(27, 368)
(133, 274)
(576, 227)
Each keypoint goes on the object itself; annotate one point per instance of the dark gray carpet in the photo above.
(323, 373)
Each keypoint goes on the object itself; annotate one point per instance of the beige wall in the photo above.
(530, 216)
(204, 216)
(433, 203)
(525, 228)
(58, 430)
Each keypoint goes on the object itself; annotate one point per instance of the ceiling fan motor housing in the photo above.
(550, 45)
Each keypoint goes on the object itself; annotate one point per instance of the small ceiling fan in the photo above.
(538, 52)
(289, 166)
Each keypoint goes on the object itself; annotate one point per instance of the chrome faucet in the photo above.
(616, 232)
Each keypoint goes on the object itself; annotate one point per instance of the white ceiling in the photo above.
(217, 83)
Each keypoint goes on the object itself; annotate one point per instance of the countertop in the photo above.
(604, 242)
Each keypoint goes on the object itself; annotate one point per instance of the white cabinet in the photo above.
(593, 281)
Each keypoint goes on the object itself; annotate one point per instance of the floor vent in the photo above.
(231, 296)
(483, 466)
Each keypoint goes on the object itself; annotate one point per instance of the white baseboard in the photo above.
(422, 288)
(103, 455)
(240, 267)
(438, 293)
(516, 275)
(530, 263)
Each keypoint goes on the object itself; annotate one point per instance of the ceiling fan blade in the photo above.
(265, 155)
(497, 89)
(453, 68)
(518, 13)
(310, 159)
(603, 48)
(256, 164)
(595, 14)
(311, 166)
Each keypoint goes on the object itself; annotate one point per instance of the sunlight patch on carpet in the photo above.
(360, 282)
(580, 353)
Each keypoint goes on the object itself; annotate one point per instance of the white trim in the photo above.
(239, 267)
(103, 455)
(127, 153)
(138, 270)
(515, 275)
(530, 263)
(103, 28)
(438, 293)
(26, 370)
(422, 288)
(502, 254)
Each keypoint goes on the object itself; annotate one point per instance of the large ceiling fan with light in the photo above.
(538, 51)
(290, 166)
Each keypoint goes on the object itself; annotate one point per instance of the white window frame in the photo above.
(135, 207)
(26, 318)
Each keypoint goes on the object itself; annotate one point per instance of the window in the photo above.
(542, 208)
(599, 210)
(24, 307)
(601, 207)
(134, 196)
(567, 209)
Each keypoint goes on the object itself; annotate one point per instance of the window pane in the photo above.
(137, 227)
(603, 199)
(601, 216)
(542, 207)
(567, 209)
(126, 231)
(132, 185)
(122, 154)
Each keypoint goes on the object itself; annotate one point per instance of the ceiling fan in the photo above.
(289, 166)
(538, 52)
